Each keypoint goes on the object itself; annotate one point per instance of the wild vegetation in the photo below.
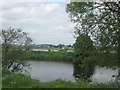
(19, 80)
(97, 25)
(49, 55)
(15, 43)
(99, 58)
(97, 43)
(100, 21)
(15, 80)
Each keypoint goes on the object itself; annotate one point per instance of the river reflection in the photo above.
(104, 74)
(82, 71)
(46, 71)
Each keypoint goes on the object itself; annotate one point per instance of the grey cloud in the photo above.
(46, 22)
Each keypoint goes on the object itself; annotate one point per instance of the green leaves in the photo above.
(14, 44)
(99, 20)
(83, 45)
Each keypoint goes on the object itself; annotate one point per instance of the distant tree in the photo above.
(14, 44)
(60, 45)
(69, 46)
(50, 45)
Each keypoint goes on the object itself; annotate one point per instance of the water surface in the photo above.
(46, 71)
(50, 70)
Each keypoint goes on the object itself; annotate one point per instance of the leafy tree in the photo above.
(100, 20)
(60, 45)
(69, 45)
(14, 44)
(84, 50)
(83, 46)
(83, 64)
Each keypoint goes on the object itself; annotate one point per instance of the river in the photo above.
(46, 71)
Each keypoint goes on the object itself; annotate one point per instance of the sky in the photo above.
(46, 21)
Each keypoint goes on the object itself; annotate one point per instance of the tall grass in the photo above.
(99, 58)
(49, 55)
(14, 80)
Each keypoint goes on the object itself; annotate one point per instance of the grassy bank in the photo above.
(101, 58)
(14, 80)
(49, 55)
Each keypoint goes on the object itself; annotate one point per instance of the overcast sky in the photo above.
(46, 22)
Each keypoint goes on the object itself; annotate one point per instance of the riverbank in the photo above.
(49, 55)
(101, 58)
(15, 80)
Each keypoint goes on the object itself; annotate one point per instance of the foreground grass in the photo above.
(14, 80)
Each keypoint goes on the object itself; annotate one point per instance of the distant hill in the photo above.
(50, 45)
(43, 45)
